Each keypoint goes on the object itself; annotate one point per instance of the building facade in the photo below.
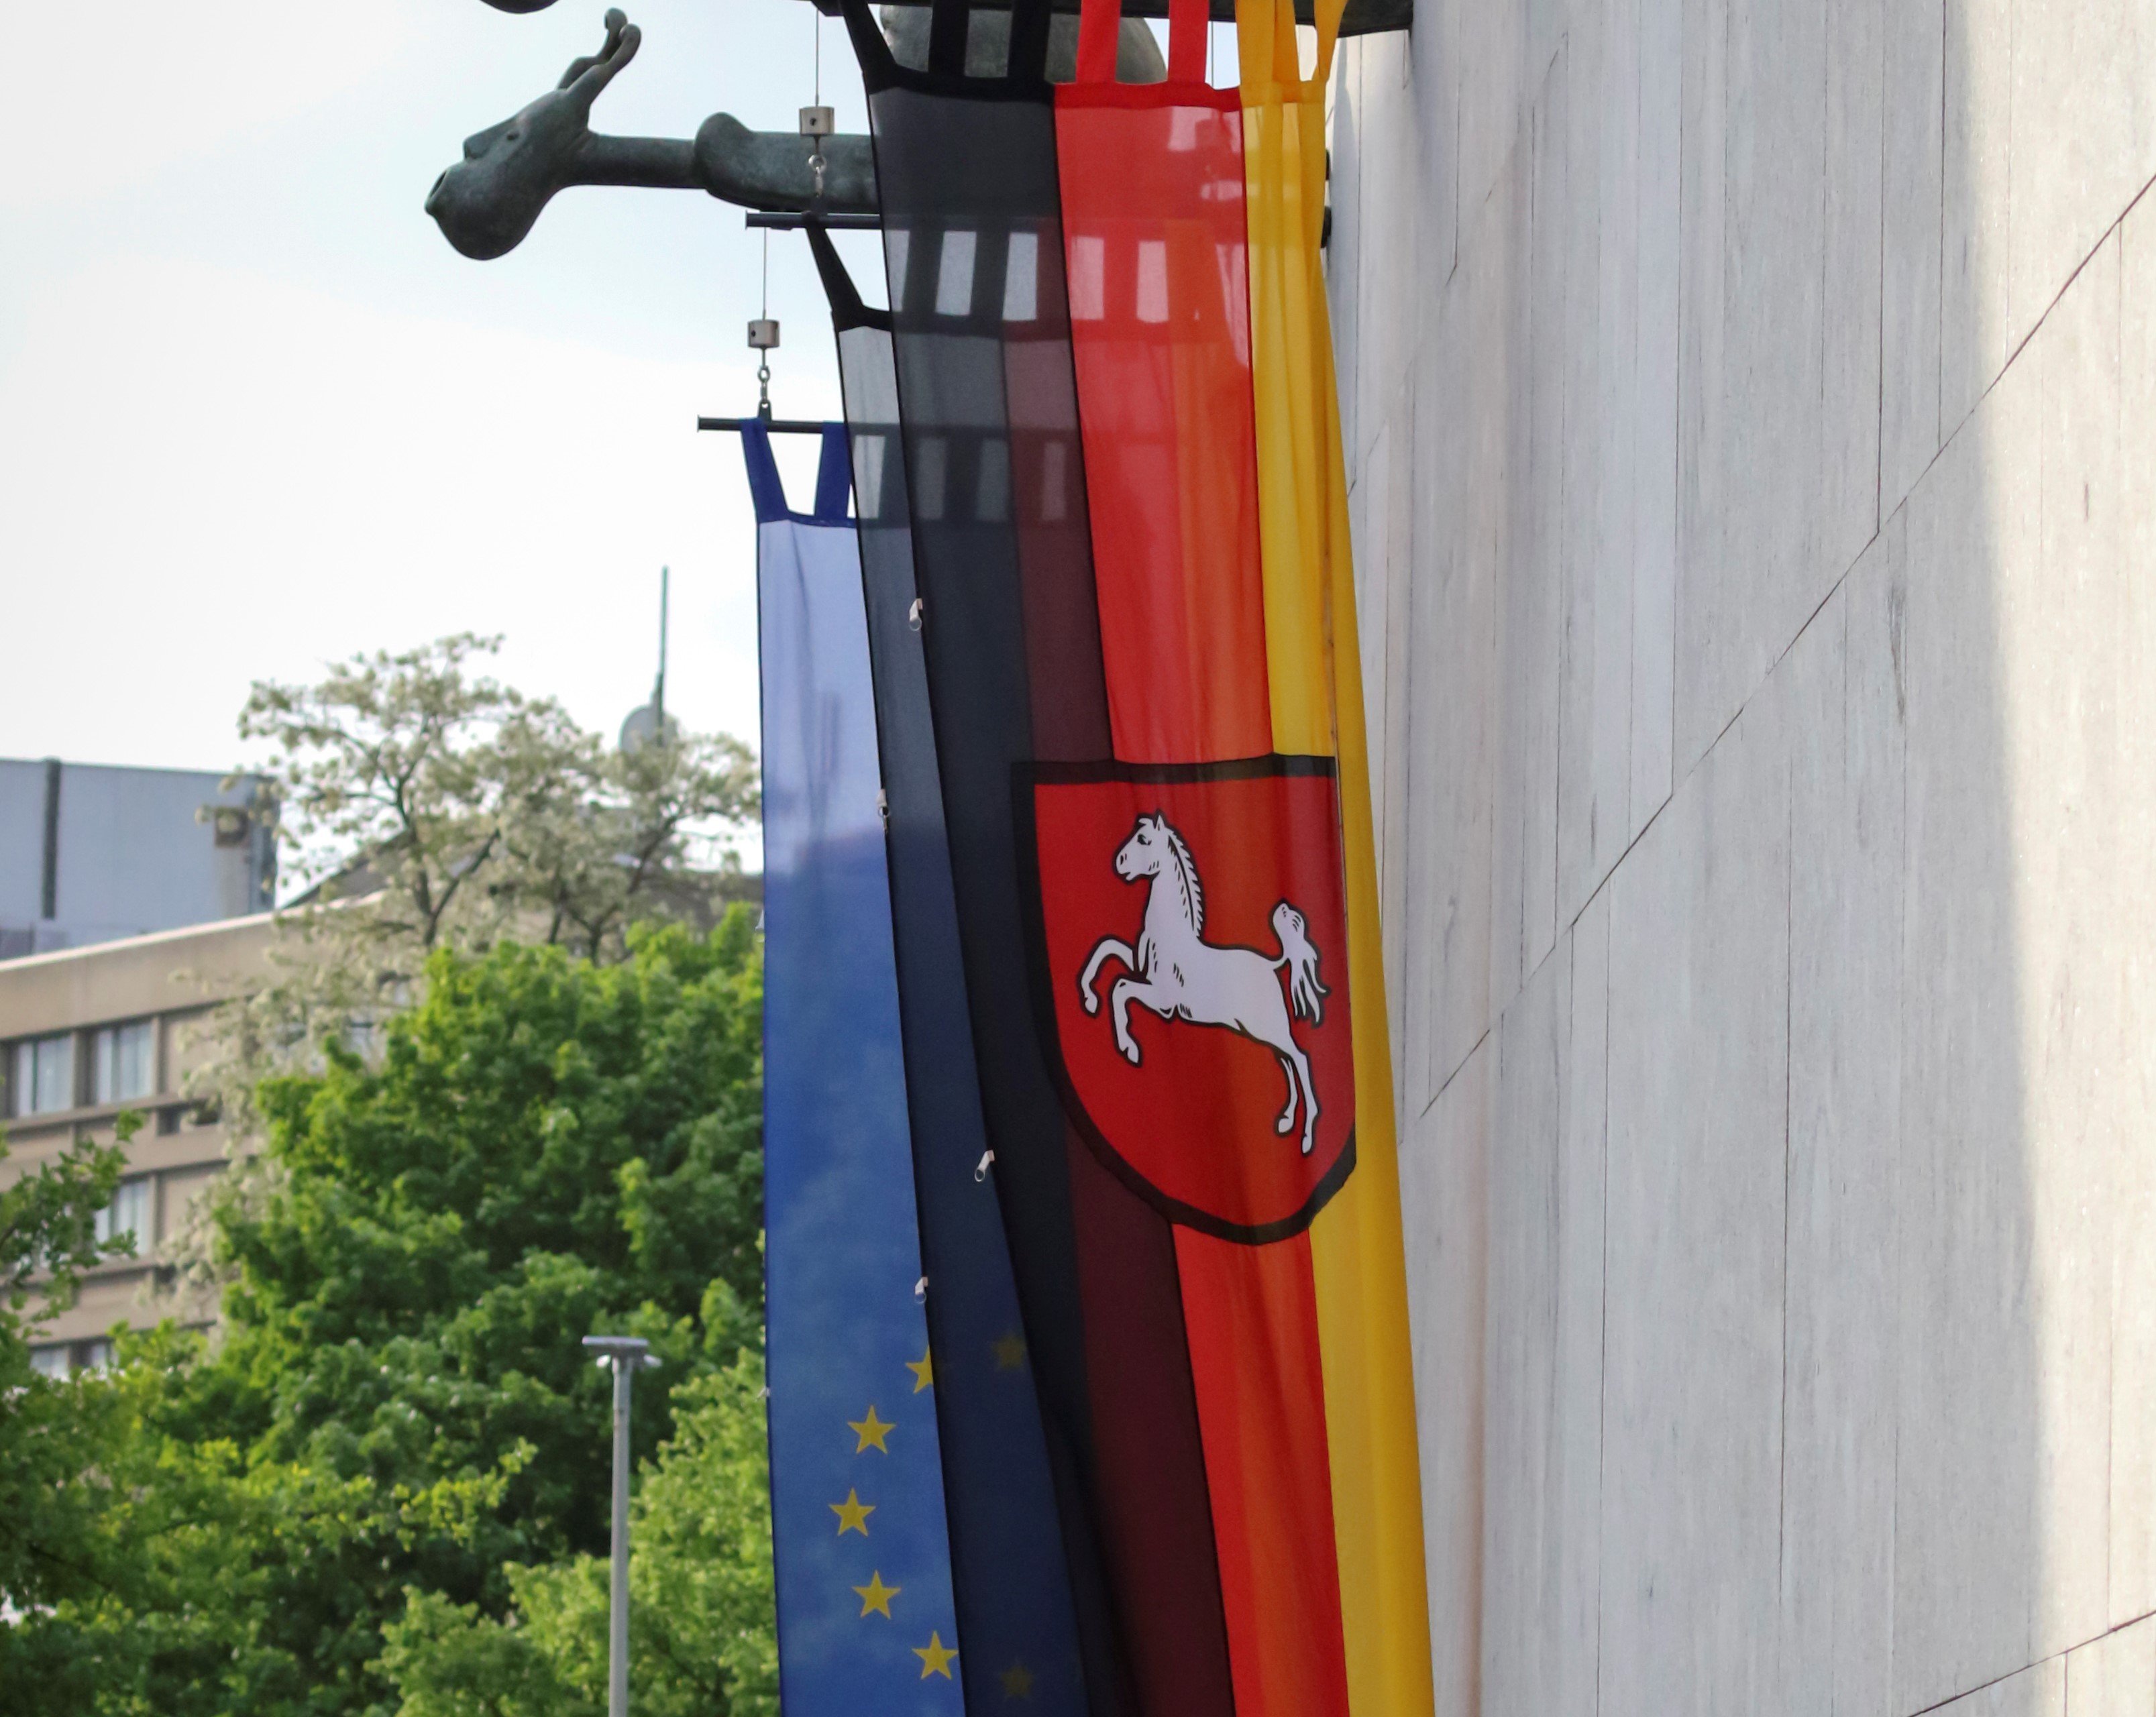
(89, 852)
(1751, 417)
(87, 1033)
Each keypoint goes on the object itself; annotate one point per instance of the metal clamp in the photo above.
(763, 336)
(818, 123)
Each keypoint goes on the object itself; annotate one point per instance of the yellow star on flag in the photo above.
(1009, 1352)
(936, 1658)
(853, 1513)
(1017, 1682)
(923, 1369)
(871, 1432)
(876, 1595)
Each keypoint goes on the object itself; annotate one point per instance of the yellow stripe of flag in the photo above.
(1316, 666)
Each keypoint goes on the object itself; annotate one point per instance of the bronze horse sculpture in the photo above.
(487, 202)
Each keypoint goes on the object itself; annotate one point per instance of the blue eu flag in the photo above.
(866, 1621)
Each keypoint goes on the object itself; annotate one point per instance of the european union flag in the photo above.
(866, 1621)
(1010, 1563)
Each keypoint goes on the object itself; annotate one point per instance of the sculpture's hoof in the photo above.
(1092, 1001)
(1285, 1124)
(1307, 1141)
(1130, 1051)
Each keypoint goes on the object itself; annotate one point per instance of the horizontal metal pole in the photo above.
(791, 221)
(1362, 18)
(776, 426)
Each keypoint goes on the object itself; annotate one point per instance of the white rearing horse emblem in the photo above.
(1178, 975)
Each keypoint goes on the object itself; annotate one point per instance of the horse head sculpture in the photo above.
(486, 202)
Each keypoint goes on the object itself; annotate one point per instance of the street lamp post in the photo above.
(624, 1355)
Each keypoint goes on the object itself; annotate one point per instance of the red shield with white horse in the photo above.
(1190, 964)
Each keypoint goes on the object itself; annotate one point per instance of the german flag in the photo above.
(1137, 615)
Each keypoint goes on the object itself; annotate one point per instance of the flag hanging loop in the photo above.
(1028, 40)
(1100, 36)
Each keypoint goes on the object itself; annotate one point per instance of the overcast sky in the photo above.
(255, 413)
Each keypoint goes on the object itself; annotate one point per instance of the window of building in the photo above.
(64, 1359)
(124, 1065)
(44, 1075)
(128, 1214)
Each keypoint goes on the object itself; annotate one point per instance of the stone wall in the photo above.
(1751, 411)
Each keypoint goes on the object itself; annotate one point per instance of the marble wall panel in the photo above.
(1976, 101)
(1436, 71)
(1535, 582)
(1391, 207)
(1383, 524)
(1354, 132)
(1868, 952)
(1369, 523)
(1468, 440)
(1520, 1528)
(1697, 1168)
(1496, 82)
(1914, 57)
(1750, 576)
(1663, 81)
(1505, 436)
(1966, 1533)
(2037, 1691)
(2114, 1676)
(2133, 1259)
(1443, 1155)
(2077, 928)
(1618, 267)
(1845, 739)
(1702, 470)
(1541, 1357)
(1602, 287)
(2082, 138)
(1573, 1627)
(1850, 280)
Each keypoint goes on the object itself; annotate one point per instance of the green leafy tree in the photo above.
(469, 808)
(701, 1639)
(425, 805)
(188, 1549)
(539, 1148)
(47, 1238)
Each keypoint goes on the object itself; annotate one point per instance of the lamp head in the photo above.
(621, 1350)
